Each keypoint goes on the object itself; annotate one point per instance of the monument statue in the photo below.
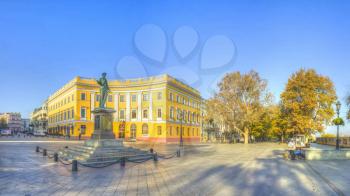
(104, 89)
(103, 116)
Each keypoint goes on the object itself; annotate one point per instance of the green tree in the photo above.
(307, 102)
(266, 127)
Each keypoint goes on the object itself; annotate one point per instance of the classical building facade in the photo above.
(155, 109)
(39, 119)
(13, 121)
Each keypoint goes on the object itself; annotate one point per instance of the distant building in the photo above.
(153, 109)
(38, 119)
(26, 123)
(13, 121)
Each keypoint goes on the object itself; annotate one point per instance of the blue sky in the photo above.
(43, 44)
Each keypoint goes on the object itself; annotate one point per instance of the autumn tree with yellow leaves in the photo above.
(307, 102)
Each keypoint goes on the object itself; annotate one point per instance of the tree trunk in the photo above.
(246, 135)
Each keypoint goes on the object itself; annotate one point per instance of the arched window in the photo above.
(145, 128)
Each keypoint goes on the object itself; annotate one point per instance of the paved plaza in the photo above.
(205, 169)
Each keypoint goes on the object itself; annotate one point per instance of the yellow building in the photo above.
(147, 109)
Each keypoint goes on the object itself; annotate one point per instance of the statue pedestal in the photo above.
(103, 124)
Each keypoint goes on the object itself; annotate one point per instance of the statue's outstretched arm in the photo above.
(98, 82)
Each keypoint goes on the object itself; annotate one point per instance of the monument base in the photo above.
(103, 143)
(103, 124)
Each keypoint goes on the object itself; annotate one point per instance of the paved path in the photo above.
(255, 169)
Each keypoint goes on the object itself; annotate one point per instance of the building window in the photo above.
(68, 115)
(72, 97)
(192, 131)
(179, 115)
(159, 113)
(133, 98)
(159, 129)
(145, 97)
(133, 114)
(188, 131)
(83, 113)
(159, 95)
(68, 99)
(144, 128)
(97, 98)
(110, 98)
(65, 116)
(145, 113)
(121, 98)
(170, 130)
(121, 114)
(171, 113)
(189, 116)
(83, 96)
(72, 113)
(177, 130)
(177, 98)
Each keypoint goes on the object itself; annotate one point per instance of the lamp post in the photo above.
(181, 140)
(338, 105)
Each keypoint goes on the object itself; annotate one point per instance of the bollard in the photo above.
(122, 162)
(155, 156)
(55, 157)
(75, 165)
(151, 150)
(178, 154)
(44, 152)
(66, 147)
(37, 149)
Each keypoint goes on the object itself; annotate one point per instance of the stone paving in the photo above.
(206, 169)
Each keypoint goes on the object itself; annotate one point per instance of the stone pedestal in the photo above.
(103, 124)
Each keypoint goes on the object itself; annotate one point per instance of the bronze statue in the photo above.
(104, 89)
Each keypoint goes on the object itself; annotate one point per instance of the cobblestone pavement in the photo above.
(207, 169)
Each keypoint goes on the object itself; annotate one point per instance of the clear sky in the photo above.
(43, 44)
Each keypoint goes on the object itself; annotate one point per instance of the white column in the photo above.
(116, 106)
(150, 106)
(127, 97)
(139, 107)
(92, 106)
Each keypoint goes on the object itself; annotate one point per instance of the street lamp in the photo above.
(338, 105)
(180, 116)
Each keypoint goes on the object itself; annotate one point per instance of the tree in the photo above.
(328, 135)
(3, 123)
(239, 102)
(307, 101)
(266, 127)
